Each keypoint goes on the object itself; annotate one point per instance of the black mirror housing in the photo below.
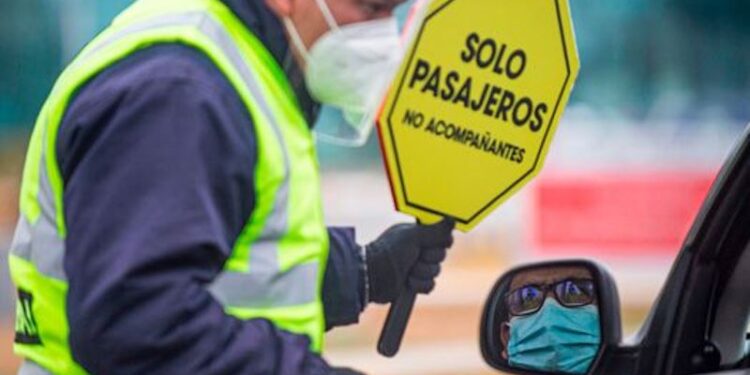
(496, 306)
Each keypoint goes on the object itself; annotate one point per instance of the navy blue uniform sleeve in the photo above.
(343, 285)
(157, 156)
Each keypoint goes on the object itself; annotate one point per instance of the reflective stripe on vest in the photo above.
(31, 368)
(275, 270)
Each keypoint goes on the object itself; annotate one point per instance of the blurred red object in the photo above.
(626, 214)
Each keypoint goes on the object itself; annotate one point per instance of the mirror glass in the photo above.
(546, 319)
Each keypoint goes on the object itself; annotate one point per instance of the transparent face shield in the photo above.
(351, 126)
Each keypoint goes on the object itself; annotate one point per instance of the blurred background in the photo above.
(663, 93)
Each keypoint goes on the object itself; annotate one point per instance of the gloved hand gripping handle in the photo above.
(420, 251)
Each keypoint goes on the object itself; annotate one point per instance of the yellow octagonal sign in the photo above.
(473, 108)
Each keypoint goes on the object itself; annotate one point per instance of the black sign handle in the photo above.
(395, 324)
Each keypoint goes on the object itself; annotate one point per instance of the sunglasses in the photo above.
(529, 299)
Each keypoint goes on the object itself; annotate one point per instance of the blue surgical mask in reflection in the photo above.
(555, 339)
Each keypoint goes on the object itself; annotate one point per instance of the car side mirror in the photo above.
(551, 318)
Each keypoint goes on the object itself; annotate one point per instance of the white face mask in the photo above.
(350, 68)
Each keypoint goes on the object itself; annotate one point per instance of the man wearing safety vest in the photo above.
(171, 218)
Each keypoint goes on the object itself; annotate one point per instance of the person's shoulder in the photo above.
(158, 65)
(157, 88)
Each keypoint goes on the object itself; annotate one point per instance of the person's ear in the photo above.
(282, 8)
(504, 339)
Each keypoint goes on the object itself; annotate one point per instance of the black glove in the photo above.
(406, 255)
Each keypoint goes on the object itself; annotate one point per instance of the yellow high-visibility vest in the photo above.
(276, 268)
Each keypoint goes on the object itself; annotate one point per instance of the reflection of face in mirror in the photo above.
(551, 320)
